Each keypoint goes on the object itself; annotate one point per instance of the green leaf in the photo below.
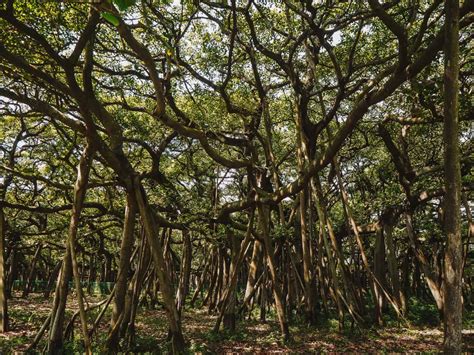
(111, 18)
(124, 4)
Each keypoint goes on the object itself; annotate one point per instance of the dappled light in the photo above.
(236, 176)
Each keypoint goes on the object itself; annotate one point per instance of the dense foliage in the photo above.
(282, 156)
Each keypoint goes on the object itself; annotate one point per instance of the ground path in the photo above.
(251, 336)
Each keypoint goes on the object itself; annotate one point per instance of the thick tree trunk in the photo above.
(452, 170)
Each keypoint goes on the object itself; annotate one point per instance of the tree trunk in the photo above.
(31, 274)
(277, 289)
(452, 170)
(229, 295)
(80, 190)
(55, 341)
(227, 311)
(470, 231)
(214, 269)
(201, 279)
(134, 289)
(123, 273)
(429, 274)
(255, 265)
(3, 289)
(177, 340)
(307, 264)
(323, 223)
(379, 272)
(12, 274)
(393, 266)
(185, 271)
(52, 278)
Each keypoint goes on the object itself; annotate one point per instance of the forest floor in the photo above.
(251, 336)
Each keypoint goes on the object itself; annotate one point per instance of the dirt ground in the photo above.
(251, 336)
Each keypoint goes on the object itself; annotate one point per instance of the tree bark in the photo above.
(80, 190)
(323, 223)
(429, 275)
(255, 265)
(470, 231)
(229, 295)
(392, 265)
(56, 341)
(177, 339)
(3, 288)
(134, 289)
(307, 262)
(452, 170)
(32, 272)
(376, 285)
(379, 272)
(52, 278)
(123, 273)
(277, 288)
(201, 279)
(185, 271)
